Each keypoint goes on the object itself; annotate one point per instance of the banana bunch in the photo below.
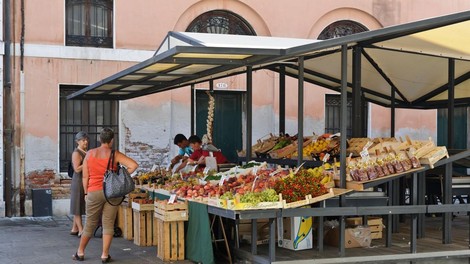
(210, 116)
(316, 172)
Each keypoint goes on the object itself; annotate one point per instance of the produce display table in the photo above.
(197, 229)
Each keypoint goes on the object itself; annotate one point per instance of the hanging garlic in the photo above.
(210, 116)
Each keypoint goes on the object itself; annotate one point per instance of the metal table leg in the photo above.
(414, 217)
(272, 240)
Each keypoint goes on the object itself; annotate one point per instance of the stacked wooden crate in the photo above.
(170, 228)
(374, 223)
(145, 226)
(125, 216)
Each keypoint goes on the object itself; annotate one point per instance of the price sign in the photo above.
(172, 199)
(365, 155)
(206, 170)
(154, 167)
(255, 170)
(222, 180)
(326, 157)
(367, 146)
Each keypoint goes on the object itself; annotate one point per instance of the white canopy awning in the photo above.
(412, 59)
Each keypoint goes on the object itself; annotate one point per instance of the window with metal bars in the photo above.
(83, 115)
(89, 23)
(221, 22)
(333, 114)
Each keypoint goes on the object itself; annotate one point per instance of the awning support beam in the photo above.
(357, 123)
(300, 113)
(249, 111)
(282, 100)
(343, 129)
(382, 73)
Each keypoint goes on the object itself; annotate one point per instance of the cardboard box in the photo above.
(244, 231)
(297, 233)
(354, 237)
(375, 224)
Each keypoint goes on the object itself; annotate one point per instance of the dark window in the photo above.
(341, 28)
(83, 115)
(333, 115)
(221, 22)
(89, 23)
(333, 102)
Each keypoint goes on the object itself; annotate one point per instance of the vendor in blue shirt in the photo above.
(183, 153)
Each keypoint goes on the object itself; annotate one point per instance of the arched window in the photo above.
(220, 22)
(341, 28)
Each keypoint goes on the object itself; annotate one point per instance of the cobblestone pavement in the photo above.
(41, 240)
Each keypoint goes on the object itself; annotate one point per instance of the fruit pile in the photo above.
(303, 183)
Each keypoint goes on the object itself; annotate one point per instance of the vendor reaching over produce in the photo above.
(183, 153)
(199, 155)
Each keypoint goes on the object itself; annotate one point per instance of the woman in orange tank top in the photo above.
(94, 167)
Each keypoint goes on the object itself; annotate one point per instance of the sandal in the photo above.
(73, 233)
(78, 257)
(106, 260)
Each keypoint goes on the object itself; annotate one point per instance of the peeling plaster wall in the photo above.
(149, 128)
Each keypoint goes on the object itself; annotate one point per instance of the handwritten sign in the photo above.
(326, 157)
(154, 167)
(172, 199)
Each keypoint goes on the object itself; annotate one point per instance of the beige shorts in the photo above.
(96, 207)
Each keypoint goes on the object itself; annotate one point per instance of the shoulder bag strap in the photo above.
(110, 161)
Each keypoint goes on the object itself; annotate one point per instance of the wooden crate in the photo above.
(128, 222)
(375, 224)
(170, 245)
(434, 156)
(145, 228)
(177, 211)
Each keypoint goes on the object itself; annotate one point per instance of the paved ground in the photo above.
(47, 240)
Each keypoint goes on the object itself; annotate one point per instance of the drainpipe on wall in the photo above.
(8, 115)
(2, 145)
(22, 108)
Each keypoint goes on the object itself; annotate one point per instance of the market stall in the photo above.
(391, 59)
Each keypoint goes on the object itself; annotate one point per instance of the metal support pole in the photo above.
(282, 100)
(272, 242)
(343, 129)
(357, 123)
(450, 113)
(388, 238)
(193, 111)
(254, 236)
(249, 111)
(300, 113)
(396, 201)
(392, 114)
(447, 199)
(421, 201)
(414, 217)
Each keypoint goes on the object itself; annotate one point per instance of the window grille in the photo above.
(220, 22)
(83, 115)
(341, 28)
(89, 23)
(333, 115)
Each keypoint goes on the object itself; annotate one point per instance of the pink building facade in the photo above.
(49, 62)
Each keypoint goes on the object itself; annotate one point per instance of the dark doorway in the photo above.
(460, 128)
(227, 127)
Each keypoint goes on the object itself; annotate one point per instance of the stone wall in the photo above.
(47, 179)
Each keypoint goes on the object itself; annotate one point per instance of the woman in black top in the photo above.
(77, 195)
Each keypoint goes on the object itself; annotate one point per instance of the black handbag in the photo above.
(116, 183)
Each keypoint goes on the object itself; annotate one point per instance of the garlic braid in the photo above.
(210, 116)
